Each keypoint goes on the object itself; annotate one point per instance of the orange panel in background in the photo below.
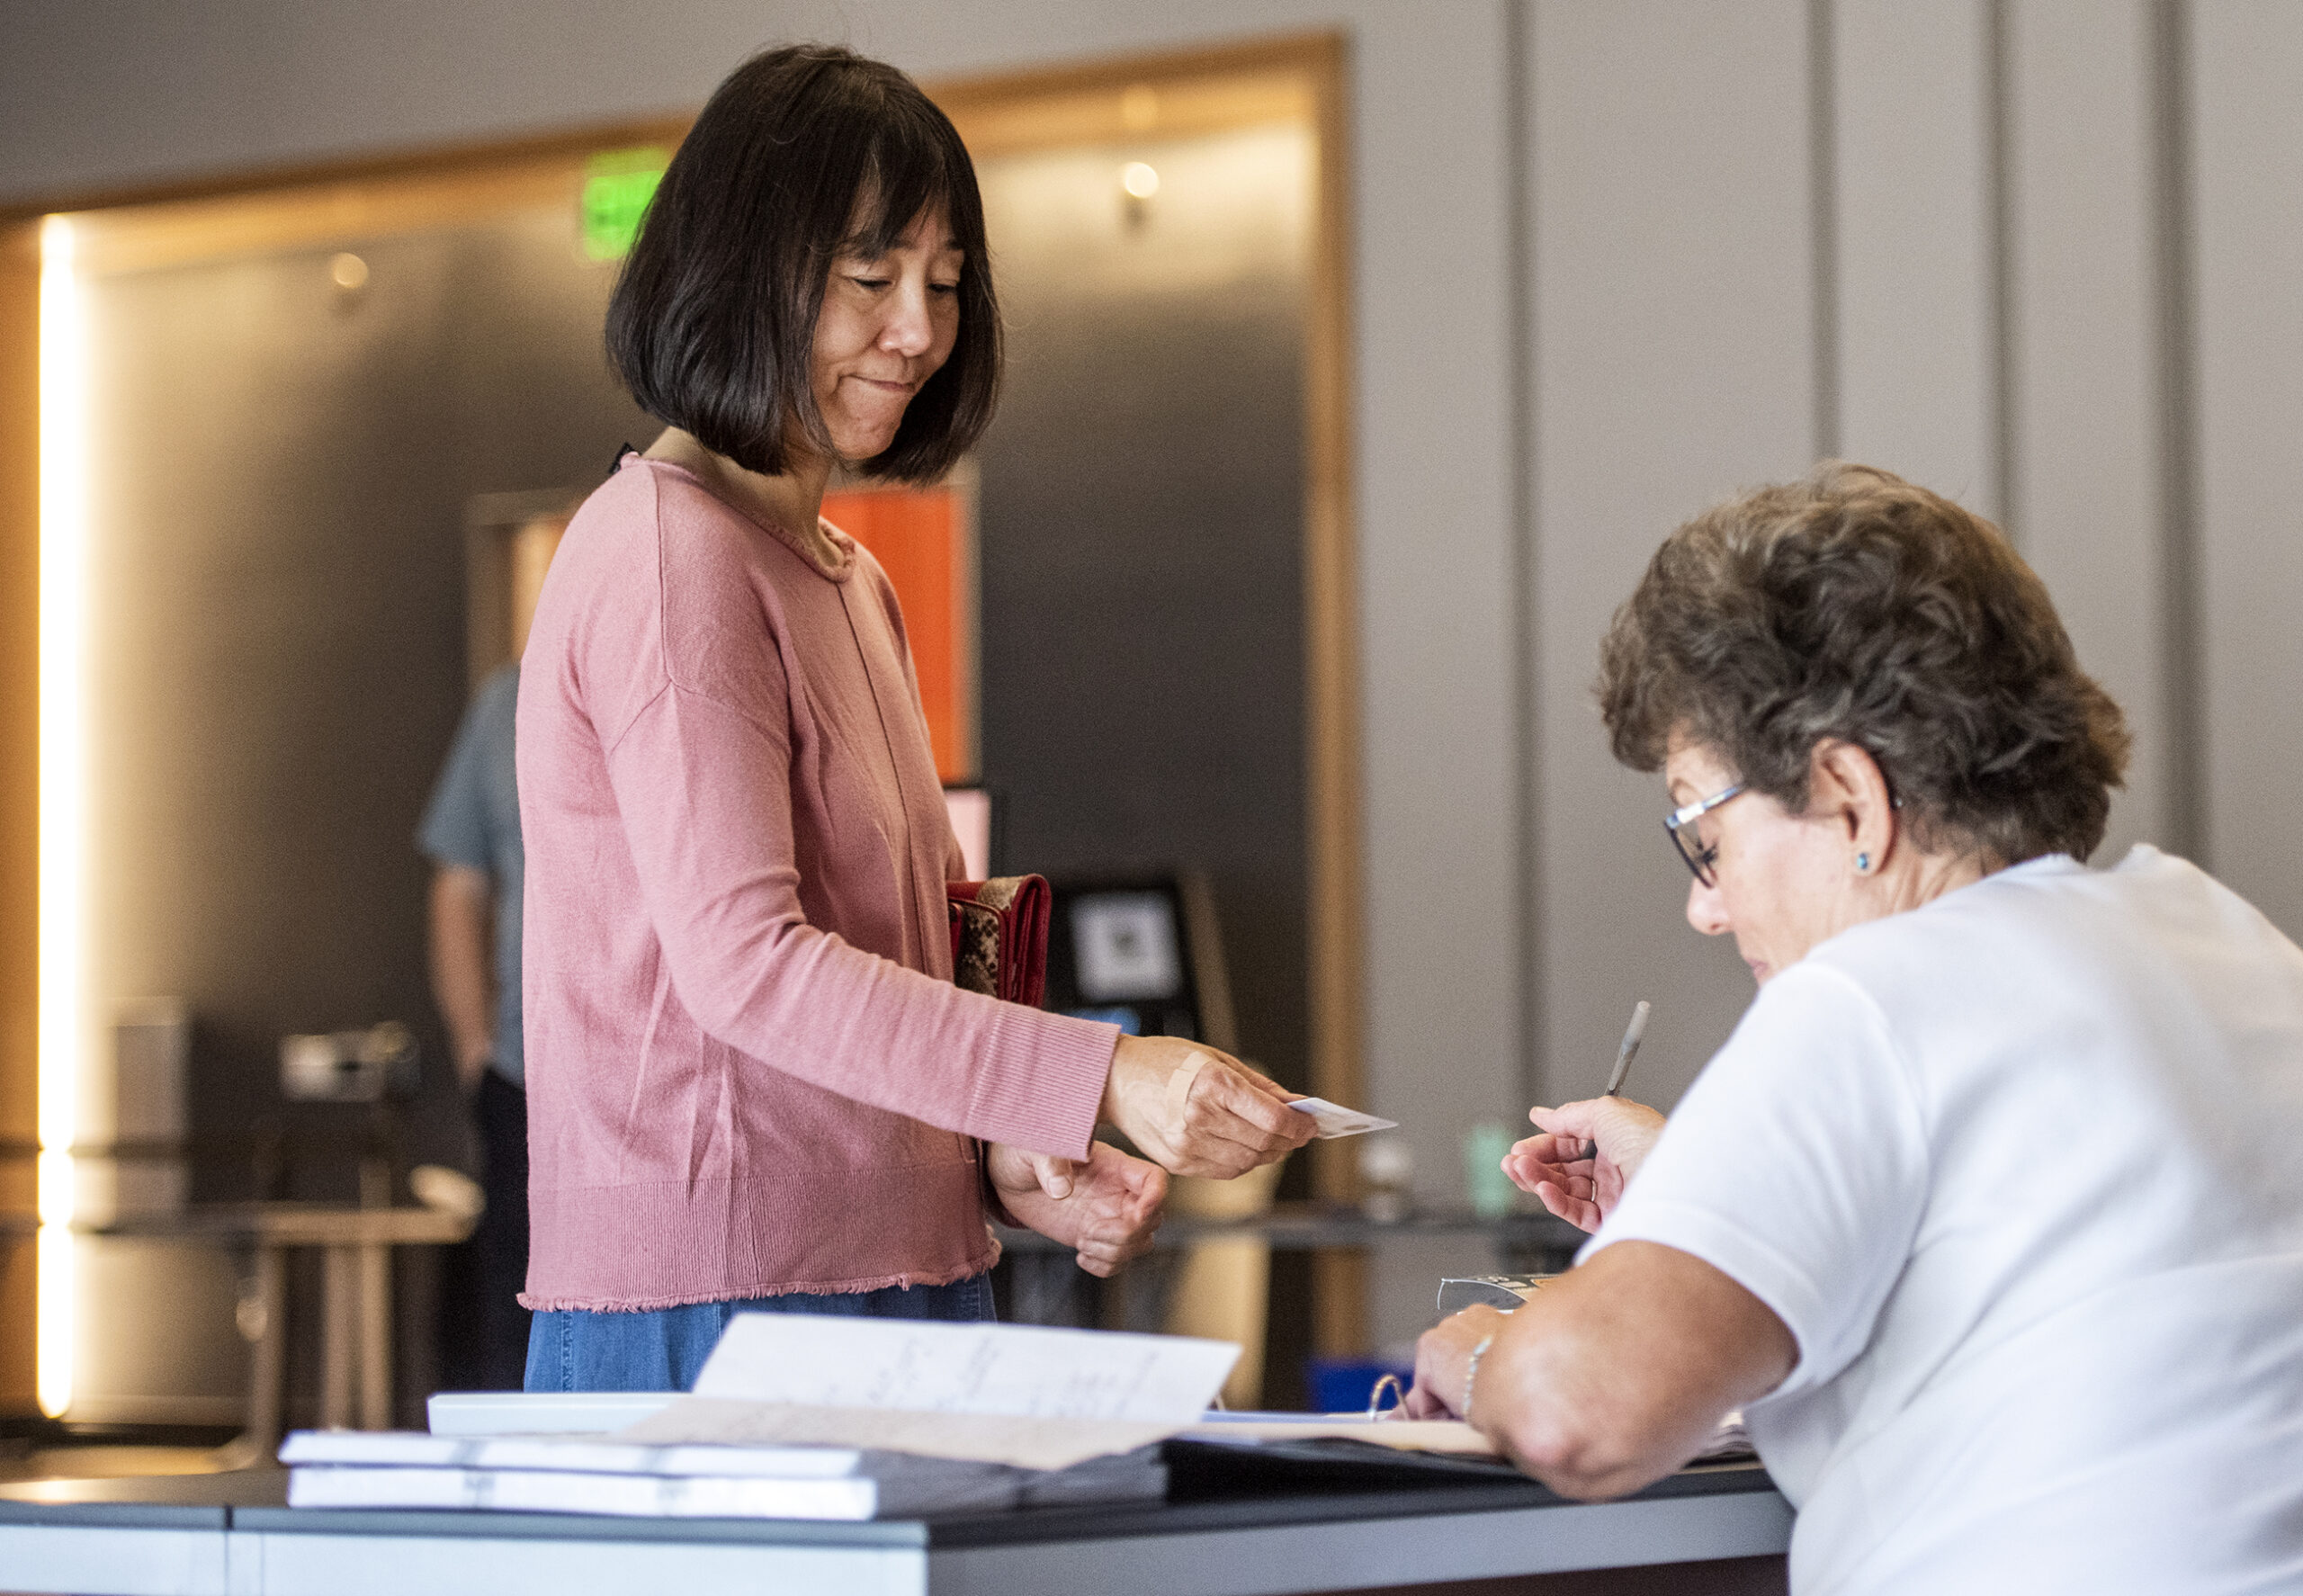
(923, 538)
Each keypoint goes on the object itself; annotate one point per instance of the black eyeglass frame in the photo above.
(1680, 825)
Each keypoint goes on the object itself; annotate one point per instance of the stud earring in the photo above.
(1863, 863)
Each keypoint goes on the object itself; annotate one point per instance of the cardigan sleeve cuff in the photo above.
(1046, 1083)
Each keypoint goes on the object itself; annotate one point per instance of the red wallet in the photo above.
(999, 936)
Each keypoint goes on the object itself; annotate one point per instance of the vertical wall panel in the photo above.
(1435, 527)
(1673, 364)
(1435, 609)
(1912, 116)
(2247, 59)
(2085, 497)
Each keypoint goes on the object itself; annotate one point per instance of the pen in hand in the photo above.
(1633, 1034)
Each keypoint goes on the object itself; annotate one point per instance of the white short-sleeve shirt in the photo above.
(2022, 1173)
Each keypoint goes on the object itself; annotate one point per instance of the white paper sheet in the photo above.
(1019, 1369)
(540, 1413)
(1022, 1395)
(1408, 1435)
(1730, 1440)
(1025, 1442)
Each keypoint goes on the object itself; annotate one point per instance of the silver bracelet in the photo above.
(1471, 1373)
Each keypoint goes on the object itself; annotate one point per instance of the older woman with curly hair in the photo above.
(1990, 1213)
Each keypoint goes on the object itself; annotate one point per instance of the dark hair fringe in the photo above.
(803, 154)
(1853, 604)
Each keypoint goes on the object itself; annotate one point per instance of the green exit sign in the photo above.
(617, 187)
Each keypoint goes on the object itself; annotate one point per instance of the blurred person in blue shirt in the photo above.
(471, 834)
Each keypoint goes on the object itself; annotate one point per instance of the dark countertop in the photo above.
(255, 1500)
(144, 1501)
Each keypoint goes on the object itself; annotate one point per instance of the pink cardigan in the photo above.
(747, 1070)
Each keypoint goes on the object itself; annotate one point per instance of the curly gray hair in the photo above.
(1853, 604)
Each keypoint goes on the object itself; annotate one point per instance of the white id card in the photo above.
(1336, 1120)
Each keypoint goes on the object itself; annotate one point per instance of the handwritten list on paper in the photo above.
(1018, 1369)
(1022, 1395)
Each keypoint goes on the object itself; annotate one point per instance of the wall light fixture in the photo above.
(65, 791)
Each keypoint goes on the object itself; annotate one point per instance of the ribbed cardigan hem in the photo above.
(633, 1246)
(540, 1305)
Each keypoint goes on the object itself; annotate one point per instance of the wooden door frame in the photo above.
(1303, 78)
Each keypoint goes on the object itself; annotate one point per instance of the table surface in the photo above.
(232, 1535)
(256, 1498)
(297, 1224)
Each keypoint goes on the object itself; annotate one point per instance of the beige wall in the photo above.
(1673, 359)
(2247, 62)
(1613, 260)
(2086, 389)
(1938, 235)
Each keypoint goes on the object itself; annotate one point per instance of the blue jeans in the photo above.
(664, 1348)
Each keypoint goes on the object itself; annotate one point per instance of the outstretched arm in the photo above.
(1196, 1111)
(464, 977)
(1612, 1376)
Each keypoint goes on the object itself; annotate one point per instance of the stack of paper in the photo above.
(805, 1417)
(601, 1474)
(567, 1474)
(540, 1412)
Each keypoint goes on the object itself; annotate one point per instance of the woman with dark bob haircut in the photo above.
(752, 1083)
(1989, 1216)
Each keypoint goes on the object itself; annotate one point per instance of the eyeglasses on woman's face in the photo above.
(1680, 823)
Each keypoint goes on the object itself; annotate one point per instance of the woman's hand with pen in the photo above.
(1587, 1152)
